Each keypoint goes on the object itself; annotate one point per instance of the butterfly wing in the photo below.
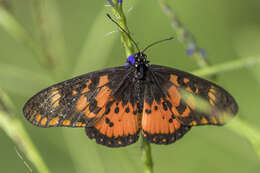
(75, 102)
(159, 125)
(219, 103)
(119, 126)
(167, 116)
(88, 101)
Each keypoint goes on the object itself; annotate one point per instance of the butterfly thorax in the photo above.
(140, 68)
(140, 63)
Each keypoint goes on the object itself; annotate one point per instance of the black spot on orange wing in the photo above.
(159, 124)
(220, 102)
(76, 102)
(116, 129)
(120, 124)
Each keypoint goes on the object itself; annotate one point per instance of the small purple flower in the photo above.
(191, 49)
(110, 2)
(203, 53)
(189, 52)
(130, 60)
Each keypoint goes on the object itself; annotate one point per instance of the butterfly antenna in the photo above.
(128, 35)
(154, 43)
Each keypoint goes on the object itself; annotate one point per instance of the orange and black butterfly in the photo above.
(115, 104)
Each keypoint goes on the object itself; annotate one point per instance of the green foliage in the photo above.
(43, 42)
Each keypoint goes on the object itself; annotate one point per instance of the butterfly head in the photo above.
(140, 63)
(136, 60)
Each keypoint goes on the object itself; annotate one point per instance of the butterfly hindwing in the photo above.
(159, 124)
(120, 124)
(118, 127)
(76, 102)
(175, 83)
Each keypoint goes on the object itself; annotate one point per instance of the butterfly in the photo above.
(117, 104)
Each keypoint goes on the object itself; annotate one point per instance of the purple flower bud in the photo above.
(130, 60)
(191, 49)
(189, 52)
(110, 2)
(203, 53)
(120, 1)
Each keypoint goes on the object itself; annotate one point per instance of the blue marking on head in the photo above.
(130, 60)
(120, 1)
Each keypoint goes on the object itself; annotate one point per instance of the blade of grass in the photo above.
(13, 127)
(47, 19)
(252, 134)
(25, 163)
(228, 66)
(8, 22)
(18, 32)
(42, 22)
(184, 36)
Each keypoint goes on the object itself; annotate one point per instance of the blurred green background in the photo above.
(75, 35)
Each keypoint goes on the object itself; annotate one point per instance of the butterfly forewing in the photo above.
(175, 83)
(76, 102)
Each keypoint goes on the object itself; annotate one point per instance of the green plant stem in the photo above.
(121, 20)
(184, 35)
(11, 125)
(44, 30)
(227, 66)
(129, 50)
(16, 131)
(147, 157)
(252, 134)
